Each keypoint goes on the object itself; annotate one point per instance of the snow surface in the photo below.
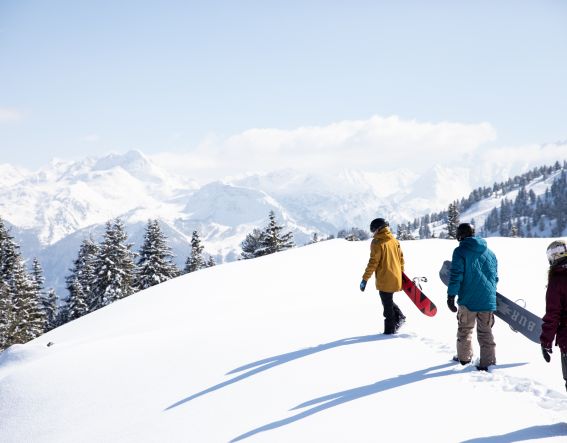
(285, 348)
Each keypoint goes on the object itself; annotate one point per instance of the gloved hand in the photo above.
(451, 303)
(546, 350)
(363, 285)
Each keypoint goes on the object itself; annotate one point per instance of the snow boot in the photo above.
(389, 327)
(463, 362)
(400, 318)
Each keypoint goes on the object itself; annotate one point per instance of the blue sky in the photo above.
(188, 78)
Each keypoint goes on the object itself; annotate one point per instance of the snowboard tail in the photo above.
(519, 318)
(416, 295)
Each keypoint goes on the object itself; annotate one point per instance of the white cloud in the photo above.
(9, 115)
(501, 163)
(375, 144)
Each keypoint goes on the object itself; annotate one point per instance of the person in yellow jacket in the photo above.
(387, 264)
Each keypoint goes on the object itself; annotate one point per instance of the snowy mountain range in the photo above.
(52, 210)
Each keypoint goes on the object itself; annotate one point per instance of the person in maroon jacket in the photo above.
(555, 318)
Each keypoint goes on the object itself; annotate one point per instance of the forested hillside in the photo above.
(533, 204)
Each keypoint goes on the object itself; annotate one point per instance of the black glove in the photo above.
(546, 350)
(363, 285)
(451, 303)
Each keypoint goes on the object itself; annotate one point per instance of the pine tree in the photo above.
(273, 239)
(6, 315)
(81, 280)
(505, 217)
(155, 263)
(62, 315)
(77, 304)
(424, 231)
(251, 245)
(38, 281)
(21, 316)
(50, 308)
(29, 318)
(9, 253)
(6, 292)
(37, 276)
(210, 262)
(404, 232)
(114, 266)
(195, 261)
(452, 220)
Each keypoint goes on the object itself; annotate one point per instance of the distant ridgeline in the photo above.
(533, 204)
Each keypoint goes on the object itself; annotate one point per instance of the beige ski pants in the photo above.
(484, 322)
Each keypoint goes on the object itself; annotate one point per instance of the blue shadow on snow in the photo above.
(338, 398)
(270, 362)
(531, 433)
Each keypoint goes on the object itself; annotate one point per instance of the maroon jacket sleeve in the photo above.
(552, 313)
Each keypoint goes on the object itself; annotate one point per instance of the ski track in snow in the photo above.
(546, 398)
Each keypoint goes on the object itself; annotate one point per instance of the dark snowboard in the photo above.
(417, 296)
(520, 319)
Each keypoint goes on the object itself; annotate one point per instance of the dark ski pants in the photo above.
(484, 322)
(392, 313)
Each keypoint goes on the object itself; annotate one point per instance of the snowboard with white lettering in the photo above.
(519, 318)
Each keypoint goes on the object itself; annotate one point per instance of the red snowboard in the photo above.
(419, 299)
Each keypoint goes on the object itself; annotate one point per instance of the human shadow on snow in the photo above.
(270, 362)
(531, 433)
(330, 401)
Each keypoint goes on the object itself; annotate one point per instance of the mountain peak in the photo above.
(133, 162)
(127, 161)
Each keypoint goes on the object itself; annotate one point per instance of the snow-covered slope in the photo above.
(285, 348)
(437, 188)
(10, 175)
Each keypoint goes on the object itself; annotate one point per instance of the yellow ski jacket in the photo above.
(386, 261)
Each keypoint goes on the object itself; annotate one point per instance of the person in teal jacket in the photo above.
(474, 275)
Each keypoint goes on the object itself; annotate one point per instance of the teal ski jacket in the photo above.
(474, 274)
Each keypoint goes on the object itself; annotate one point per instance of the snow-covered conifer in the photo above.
(251, 244)
(50, 308)
(29, 317)
(195, 261)
(6, 314)
(273, 238)
(81, 280)
(38, 281)
(114, 266)
(9, 253)
(6, 294)
(21, 316)
(452, 220)
(155, 263)
(210, 262)
(62, 313)
(77, 305)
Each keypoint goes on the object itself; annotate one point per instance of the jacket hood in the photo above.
(383, 234)
(475, 244)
